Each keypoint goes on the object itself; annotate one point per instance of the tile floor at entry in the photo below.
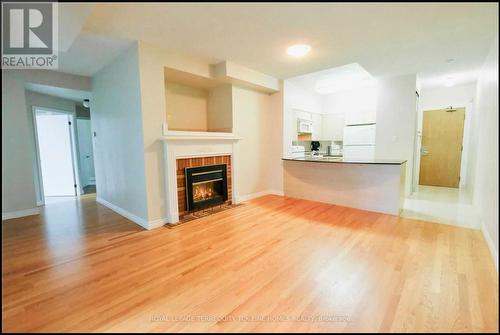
(442, 205)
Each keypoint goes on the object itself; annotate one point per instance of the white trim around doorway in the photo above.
(74, 153)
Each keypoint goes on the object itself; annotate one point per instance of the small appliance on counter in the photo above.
(335, 149)
(298, 151)
(315, 148)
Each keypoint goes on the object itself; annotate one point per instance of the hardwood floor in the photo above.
(81, 267)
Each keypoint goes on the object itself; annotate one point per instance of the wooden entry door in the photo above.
(441, 152)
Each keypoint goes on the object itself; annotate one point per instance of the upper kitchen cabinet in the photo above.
(360, 116)
(317, 127)
(323, 127)
(312, 125)
(333, 127)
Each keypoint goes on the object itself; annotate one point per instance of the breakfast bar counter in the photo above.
(374, 185)
(332, 159)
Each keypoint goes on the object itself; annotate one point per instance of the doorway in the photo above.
(85, 155)
(56, 148)
(441, 149)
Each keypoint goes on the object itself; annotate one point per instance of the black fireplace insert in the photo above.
(206, 186)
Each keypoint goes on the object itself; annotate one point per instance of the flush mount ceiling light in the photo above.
(298, 50)
(448, 82)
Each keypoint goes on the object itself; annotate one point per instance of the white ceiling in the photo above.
(71, 18)
(334, 79)
(90, 52)
(386, 39)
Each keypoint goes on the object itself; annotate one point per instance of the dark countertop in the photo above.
(345, 161)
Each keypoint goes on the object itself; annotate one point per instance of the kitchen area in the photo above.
(330, 142)
(328, 118)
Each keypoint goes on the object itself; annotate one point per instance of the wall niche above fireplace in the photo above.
(196, 103)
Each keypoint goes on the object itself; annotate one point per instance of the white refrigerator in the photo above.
(359, 142)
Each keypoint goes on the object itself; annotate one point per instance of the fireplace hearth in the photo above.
(206, 186)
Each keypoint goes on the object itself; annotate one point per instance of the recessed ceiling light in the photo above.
(449, 60)
(298, 50)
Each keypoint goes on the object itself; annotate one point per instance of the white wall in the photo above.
(357, 105)
(396, 121)
(258, 154)
(18, 184)
(440, 98)
(186, 107)
(119, 146)
(484, 150)
(274, 150)
(220, 113)
(152, 61)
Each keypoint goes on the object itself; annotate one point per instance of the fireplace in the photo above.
(206, 186)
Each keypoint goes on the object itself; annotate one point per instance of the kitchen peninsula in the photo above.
(374, 185)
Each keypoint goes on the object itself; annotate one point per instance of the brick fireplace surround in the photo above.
(183, 163)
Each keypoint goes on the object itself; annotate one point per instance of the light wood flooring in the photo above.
(272, 264)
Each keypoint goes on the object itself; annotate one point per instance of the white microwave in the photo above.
(304, 126)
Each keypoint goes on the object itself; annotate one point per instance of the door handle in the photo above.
(424, 151)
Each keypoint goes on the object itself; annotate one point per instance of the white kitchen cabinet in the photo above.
(302, 114)
(360, 116)
(317, 132)
(333, 127)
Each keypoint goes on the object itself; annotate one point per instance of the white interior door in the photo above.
(86, 156)
(56, 161)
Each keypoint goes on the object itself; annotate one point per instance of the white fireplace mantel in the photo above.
(198, 135)
(187, 144)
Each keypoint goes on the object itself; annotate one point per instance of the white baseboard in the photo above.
(251, 196)
(132, 217)
(21, 213)
(160, 222)
(491, 246)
